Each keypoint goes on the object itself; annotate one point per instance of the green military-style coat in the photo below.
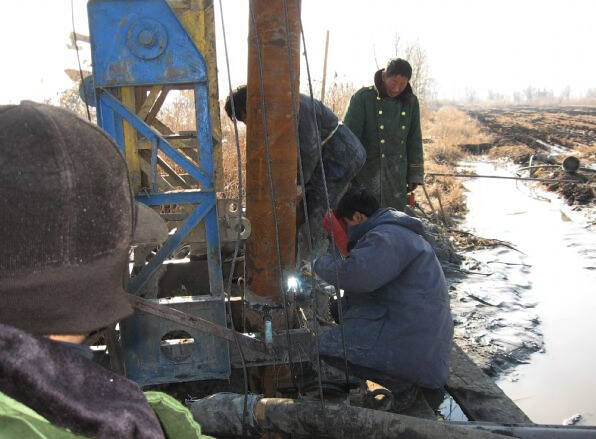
(389, 129)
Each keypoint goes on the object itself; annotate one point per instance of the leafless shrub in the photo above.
(338, 97)
(178, 111)
(421, 80)
(71, 100)
(230, 155)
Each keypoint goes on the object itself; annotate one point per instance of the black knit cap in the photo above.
(66, 222)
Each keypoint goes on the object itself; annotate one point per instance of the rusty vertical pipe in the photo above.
(268, 33)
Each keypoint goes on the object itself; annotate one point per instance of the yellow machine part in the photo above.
(198, 18)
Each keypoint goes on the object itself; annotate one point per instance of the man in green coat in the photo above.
(68, 217)
(386, 119)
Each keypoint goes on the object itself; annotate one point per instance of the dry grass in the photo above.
(337, 97)
(587, 154)
(445, 130)
(178, 111)
(230, 155)
(448, 128)
(517, 153)
(178, 114)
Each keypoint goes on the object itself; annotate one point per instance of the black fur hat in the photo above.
(66, 222)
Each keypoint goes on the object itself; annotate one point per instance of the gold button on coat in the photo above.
(403, 127)
(382, 140)
(380, 111)
(403, 113)
(382, 127)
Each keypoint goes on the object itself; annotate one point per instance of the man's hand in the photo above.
(412, 186)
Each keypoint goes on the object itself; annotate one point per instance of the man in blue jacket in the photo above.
(396, 317)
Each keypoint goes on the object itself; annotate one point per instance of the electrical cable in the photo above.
(272, 191)
(295, 115)
(74, 37)
(333, 247)
(239, 230)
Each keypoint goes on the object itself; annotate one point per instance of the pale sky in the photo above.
(503, 45)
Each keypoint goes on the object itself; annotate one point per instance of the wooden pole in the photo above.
(325, 68)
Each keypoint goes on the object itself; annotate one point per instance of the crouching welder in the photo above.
(63, 261)
(343, 154)
(397, 322)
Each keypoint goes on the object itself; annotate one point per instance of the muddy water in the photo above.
(549, 287)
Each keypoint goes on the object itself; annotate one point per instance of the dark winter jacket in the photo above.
(49, 390)
(398, 319)
(389, 129)
(343, 154)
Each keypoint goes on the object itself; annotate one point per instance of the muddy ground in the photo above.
(495, 321)
(550, 134)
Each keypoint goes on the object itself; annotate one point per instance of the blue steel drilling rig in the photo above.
(142, 50)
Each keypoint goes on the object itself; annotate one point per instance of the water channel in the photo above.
(553, 278)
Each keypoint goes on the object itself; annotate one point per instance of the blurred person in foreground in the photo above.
(66, 224)
(396, 316)
(386, 118)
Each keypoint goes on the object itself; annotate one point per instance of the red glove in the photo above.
(411, 199)
(340, 234)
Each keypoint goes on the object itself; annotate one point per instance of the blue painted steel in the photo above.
(142, 43)
(137, 282)
(175, 197)
(147, 363)
(87, 91)
(153, 175)
(205, 178)
(204, 132)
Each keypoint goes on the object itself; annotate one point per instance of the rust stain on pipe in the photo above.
(262, 265)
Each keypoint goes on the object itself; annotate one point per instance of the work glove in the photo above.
(412, 186)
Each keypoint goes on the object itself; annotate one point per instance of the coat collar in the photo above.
(58, 383)
(380, 88)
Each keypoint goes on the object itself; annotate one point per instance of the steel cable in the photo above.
(295, 115)
(333, 247)
(239, 230)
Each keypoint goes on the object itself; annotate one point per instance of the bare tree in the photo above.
(495, 96)
(566, 93)
(530, 93)
(471, 95)
(71, 100)
(396, 41)
(421, 80)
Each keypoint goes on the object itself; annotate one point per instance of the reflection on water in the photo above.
(557, 276)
